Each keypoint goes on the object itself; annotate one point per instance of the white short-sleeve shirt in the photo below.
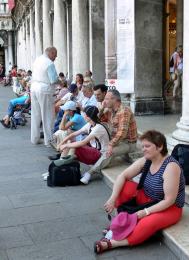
(100, 133)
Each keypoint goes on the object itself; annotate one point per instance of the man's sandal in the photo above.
(98, 248)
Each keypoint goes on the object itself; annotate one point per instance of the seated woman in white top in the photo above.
(93, 149)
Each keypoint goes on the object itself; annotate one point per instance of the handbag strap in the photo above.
(145, 170)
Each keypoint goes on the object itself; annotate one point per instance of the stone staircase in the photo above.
(175, 237)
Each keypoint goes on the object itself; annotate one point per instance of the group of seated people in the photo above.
(21, 88)
(92, 125)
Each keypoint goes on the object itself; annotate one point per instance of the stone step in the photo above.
(175, 237)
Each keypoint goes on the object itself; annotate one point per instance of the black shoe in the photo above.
(54, 157)
(41, 135)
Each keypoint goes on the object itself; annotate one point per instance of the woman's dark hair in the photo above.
(61, 74)
(102, 87)
(80, 76)
(92, 113)
(156, 138)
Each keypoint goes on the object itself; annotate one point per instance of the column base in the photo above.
(147, 106)
(182, 133)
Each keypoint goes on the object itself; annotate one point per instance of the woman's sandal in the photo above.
(98, 248)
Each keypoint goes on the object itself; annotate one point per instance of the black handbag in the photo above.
(64, 175)
(131, 206)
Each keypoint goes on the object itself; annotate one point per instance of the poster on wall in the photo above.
(125, 45)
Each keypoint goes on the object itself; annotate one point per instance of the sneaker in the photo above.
(45, 178)
(45, 174)
(86, 178)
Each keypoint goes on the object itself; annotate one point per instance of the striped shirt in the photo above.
(123, 126)
(153, 184)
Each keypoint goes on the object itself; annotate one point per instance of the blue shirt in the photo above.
(78, 121)
(51, 70)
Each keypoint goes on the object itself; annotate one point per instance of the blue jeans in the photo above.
(16, 101)
(58, 120)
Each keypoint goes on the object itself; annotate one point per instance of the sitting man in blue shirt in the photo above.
(71, 121)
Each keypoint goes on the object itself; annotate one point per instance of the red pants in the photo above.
(87, 154)
(148, 225)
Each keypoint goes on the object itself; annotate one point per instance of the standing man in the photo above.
(42, 100)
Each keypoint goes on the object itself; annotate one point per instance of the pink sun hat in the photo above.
(122, 225)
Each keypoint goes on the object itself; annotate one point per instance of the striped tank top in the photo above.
(153, 184)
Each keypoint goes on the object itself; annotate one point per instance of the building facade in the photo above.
(6, 36)
(127, 43)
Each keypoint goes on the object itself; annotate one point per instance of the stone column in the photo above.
(10, 47)
(38, 28)
(110, 40)
(147, 97)
(97, 42)
(182, 133)
(6, 61)
(47, 24)
(28, 50)
(69, 38)
(179, 23)
(59, 35)
(80, 36)
(32, 36)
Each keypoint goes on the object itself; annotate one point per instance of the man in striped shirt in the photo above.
(122, 124)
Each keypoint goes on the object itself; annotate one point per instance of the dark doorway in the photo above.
(2, 56)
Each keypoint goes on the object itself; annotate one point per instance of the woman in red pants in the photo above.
(164, 183)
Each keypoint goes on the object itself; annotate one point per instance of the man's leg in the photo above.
(47, 113)
(35, 118)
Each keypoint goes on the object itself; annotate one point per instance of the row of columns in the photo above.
(65, 25)
(74, 31)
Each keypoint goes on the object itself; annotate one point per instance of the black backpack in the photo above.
(181, 154)
(64, 175)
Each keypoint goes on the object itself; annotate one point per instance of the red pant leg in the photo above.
(128, 191)
(87, 154)
(149, 225)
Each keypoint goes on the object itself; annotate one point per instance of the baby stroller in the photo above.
(18, 117)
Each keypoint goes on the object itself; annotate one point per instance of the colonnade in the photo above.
(65, 25)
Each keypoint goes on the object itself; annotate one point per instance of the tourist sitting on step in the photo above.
(88, 97)
(75, 95)
(100, 92)
(61, 91)
(71, 121)
(122, 126)
(93, 149)
(79, 80)
(159, 199)
(23, 100)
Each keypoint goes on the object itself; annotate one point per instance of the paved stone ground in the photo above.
(37, 222)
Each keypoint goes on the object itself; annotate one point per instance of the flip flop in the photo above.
(98, 248)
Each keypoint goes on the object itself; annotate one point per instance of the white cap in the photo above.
(69, 105)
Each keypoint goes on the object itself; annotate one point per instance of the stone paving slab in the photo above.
(14, 237)
(67, 249)
(14, 217)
